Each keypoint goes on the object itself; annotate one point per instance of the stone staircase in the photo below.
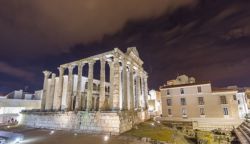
(243, 132)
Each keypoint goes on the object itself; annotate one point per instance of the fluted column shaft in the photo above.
(58, 98)
(131, 81)
(45, 89)
(102, 85)
(146, 91)
(78, 104)
(138, 90)
(90, 87)
(116, 83)
(142, 91)
(111, 77)
(50, 98)
(69, 88)
(124, 85)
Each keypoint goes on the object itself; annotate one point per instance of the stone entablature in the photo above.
(128, 89)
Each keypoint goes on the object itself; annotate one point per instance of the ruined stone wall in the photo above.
(93, 122)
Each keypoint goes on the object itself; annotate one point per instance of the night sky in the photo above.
(207, 39)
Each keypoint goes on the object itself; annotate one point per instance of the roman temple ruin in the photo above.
(84, 104)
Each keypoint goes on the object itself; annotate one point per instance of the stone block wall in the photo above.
(85, 122)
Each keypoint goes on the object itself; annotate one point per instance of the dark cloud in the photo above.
(208, 39)
(51, 27)
(16, 72)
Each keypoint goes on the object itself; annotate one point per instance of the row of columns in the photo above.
(130, 79)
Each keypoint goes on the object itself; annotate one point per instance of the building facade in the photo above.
(202, 106)
(13, 103)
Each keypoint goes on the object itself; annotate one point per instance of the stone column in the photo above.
(138, 90)
(45, 89)
(58, 98)
(90, 86)
(95, 103)
(142, 91)
(78, 104)
(116, 82)
(146, 90)
(111, 81)
(131, 81)
(69, 88)
(50, 98)
(102, 85)
(124, 86)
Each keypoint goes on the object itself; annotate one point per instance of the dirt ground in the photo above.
(43, 136)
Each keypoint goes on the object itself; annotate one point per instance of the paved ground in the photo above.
(42, 136)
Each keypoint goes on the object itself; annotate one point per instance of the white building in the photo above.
(200, 106)
(13, 103)
(154, 103)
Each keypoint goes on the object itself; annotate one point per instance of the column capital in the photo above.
(46, 73)
(80, 64)
(61, 69)
(70, 68)
(53, 74)
(92, 62)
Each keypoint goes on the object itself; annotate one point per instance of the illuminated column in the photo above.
(102, 84)
(142, 91)
(79, 84)
(69, 88)
(138, 90)
(58, 98)
(116, 82)
(146, 90)
(131, 84)
(50, 98)
(124, 86)
(111, 77)
(45, 89)
(90, 86)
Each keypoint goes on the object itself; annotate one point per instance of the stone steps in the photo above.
(243, 133)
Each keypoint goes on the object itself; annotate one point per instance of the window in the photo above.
(223, 100)
(225, 111)
(182, 90)
(169, 102)
(168, 92)
(184, 111)
(234, 97)
(169, 112)
(199, 89)
(238, 101)
(200, 100)
(202, 111)
(183, 101)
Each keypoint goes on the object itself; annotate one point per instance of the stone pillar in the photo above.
(102, 85)
(50, 98)
(111, 81)
(58, 97)
(95, 103)
(90, 86)
(131, 81)
(78, 104)
(124, 86)
(138, 90)
(146, 90)
(116, 82)
(45, 89)
(69, 88)
(142, 91)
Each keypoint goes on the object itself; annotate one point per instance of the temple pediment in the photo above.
(133, 50)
